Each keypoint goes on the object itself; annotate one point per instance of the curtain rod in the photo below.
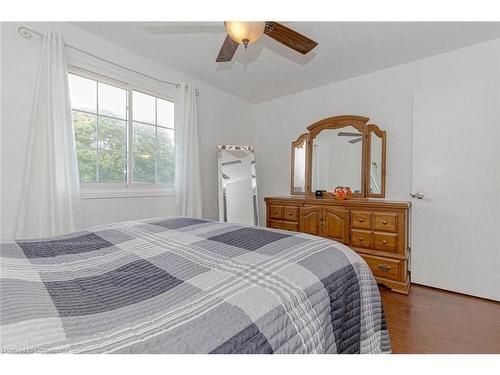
(27, 33)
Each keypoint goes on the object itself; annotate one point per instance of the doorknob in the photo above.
(417, 195)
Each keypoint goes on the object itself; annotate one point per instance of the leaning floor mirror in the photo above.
(237, 185)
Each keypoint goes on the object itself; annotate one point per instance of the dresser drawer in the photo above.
(385, 242)
(275, 212)
(385, 267)
(276, 224)
(290, 213)
(361, 238)
(361, 219)
(385, 222)
(291, 226)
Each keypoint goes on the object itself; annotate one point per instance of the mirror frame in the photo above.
(303, 137)
(337, 122)
(372, 128)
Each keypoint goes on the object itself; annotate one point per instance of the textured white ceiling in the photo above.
(267, 69)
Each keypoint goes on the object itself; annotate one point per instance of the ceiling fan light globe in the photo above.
(245, 32)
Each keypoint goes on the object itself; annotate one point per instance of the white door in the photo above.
(455, 239)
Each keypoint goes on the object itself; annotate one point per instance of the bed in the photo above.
(185, 285)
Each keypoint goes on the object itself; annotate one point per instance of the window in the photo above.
(124, 137)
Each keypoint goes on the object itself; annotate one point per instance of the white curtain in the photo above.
(50, 202)
(187, 171)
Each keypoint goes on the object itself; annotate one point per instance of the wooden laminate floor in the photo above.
(430, 320)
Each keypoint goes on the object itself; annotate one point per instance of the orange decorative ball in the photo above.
(342, 192)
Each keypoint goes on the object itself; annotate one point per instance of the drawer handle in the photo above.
(289, 213)
(275, 212)
(384, 222)
(384, 242)
(360, 239)
(384, 267)
(360, 220)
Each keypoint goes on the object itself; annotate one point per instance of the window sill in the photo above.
(124, 192)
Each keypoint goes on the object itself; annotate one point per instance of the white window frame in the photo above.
(96, 190)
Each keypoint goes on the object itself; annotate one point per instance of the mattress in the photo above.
(185, 285)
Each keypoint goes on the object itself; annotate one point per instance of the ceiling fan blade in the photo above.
(227, 50)
(289, 38)
(355, 140)
(348, 134)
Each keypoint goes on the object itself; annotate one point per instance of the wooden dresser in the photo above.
(376, 229)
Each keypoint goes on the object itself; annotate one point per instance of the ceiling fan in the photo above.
(249, 32)
(239, 33)
(349, 134)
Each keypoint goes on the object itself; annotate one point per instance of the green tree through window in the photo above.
(102, 124)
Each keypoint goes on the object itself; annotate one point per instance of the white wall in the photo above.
(222, 119)
(385, 97)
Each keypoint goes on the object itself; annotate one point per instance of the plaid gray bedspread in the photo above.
(182, 285)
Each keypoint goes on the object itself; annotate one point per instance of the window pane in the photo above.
(165, 113)
(112, 135)
(87, 164)
(144, 107)
(144, 153)
(85, 130)
(112, 166)
(165, 156)
(144, 139)
(112, 101)
(83, 93)
(144, 168)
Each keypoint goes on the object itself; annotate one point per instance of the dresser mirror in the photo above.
(340, 151)
(237, 185)
(299, 152)
(376, 161)
(337, 159)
